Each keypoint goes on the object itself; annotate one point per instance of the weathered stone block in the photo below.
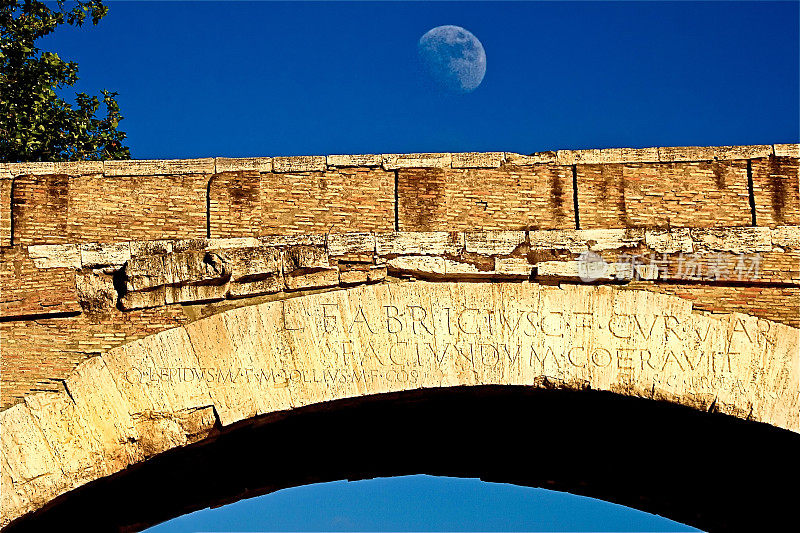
(786, 237)
(163, 246)
(146, 272)
(327, 277)
(685, 153)
(248, 264)
(477, 159)
(144, 299)
(104, 254)
(736, 240)
(300, 163)
(512, 158)
(351, 243)
(493, 242)
(69, 168)
(243, 289)
(419, 242)
(578, 157)
(414, 264)
(96, 290)
(194, 267)
(742, 152)
(513, 267)
(156, 167)
(304, 257)
(238, 164)
(669, 241)
(629, 155)
(396, 161)
(310, 239)
(787, 150)
(55, 255)
(194, 293)
(233, 242)
(359, 160)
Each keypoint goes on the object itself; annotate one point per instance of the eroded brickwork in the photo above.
(692, 194)
(55, 209)
(511, 197)
(775, 186)
(251, 203)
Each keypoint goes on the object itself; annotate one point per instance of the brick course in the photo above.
(775, 190)
(510, 197)
(692, 194)
(250, 204)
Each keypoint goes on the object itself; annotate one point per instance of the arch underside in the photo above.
(711, 471)
(611, 393)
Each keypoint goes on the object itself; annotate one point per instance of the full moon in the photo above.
(454, 58)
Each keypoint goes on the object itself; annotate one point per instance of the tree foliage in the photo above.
(36, 124)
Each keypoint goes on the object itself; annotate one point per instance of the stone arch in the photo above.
(175, 389)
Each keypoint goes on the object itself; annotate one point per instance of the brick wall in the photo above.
(48, 203)
(54, 209)
(775, 186)
(250, 203)
(510, 197)
(692, 194)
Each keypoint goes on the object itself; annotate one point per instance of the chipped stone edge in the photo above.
(455, 160)
(489, 242)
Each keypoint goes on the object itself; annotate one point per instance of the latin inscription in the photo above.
(416, 344)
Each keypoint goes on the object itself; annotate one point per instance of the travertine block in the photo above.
(304, 257)
(669, 241)
(242, 289)
(477, 159)
(396, 161)
(418, 264)
(316, 239)
(786, 237)
(419, 242)
(144, 299)
(55, 255)
(238, 164)
(96, 290)
(163, 246)
(493, 242)
(252, 263)
(300, 163)
(579, 157)
(233, 242)
(513, 267)
(578, 241)
(629, 155)
(326, 277)
(738, 240)
(787, 150)
(104, 254)
(742, 152)
(538, 158)
(70, 168)
(350, 243)
(359, 160)
(156, 167)
(194, 293)
(685, 153)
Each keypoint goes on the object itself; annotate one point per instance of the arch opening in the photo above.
(709, 470)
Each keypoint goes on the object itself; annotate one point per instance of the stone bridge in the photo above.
(620, 323)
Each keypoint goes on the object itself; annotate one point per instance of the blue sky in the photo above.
(266, 78)
(419, 503)
(200, 79)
